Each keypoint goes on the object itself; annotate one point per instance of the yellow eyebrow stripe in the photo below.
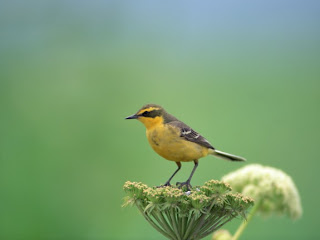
(147, 109)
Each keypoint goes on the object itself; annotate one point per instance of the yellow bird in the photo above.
(176, 141)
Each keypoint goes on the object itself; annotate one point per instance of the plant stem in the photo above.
(189, 226)
(201, 220)
(165, 224)
(183, 227)
(217, 227)
(174, 223)
(245, 223)
(210, 222)
(212, 227)
(153, 224)
(179, 223)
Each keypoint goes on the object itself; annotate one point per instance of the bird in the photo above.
(175, 141)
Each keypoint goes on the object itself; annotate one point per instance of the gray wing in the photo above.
(190, 135)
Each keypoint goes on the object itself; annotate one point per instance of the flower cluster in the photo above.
(134, 189)
(187, 215)
(272, 189)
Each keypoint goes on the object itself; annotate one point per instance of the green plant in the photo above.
(273, 190)
(187, 215)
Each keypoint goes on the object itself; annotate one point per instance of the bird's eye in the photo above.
(145, 113)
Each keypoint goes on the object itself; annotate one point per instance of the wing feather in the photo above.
(190, 135)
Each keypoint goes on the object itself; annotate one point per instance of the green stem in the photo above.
(212, 225)
(183, 227)
(174, 223)
(214, 229)
(179, 223)
(162, 225)
(190, 226)
(245, 223)
(165, 224)
(201, 220)
(210, 222)
(153, 224)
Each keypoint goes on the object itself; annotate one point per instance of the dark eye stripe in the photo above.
(151, 114)
(145, 113)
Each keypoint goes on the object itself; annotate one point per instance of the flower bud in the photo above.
(271, 188)
(222, 235)
(135, 189)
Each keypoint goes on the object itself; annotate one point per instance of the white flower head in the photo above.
(273, 189)
(222, 234)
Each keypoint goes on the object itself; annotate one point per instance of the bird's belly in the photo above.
(168, 144)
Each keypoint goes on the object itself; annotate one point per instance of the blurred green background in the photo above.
(244, 74)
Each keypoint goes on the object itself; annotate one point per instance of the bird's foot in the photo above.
(184, 185)
(167, 184)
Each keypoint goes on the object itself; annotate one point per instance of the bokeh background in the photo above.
(245, 74)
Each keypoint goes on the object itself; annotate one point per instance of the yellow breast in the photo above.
(166, 141)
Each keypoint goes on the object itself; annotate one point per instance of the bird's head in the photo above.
(150, 115)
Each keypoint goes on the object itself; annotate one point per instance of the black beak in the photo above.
(134, 116)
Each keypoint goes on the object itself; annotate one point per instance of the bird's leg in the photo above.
(168, 182)
(187, 183)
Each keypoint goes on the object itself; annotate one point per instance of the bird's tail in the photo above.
(227, 156)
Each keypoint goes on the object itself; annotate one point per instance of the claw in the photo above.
(182, 184)
(167, 184)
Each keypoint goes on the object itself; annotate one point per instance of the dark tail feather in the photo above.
(227, 156)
